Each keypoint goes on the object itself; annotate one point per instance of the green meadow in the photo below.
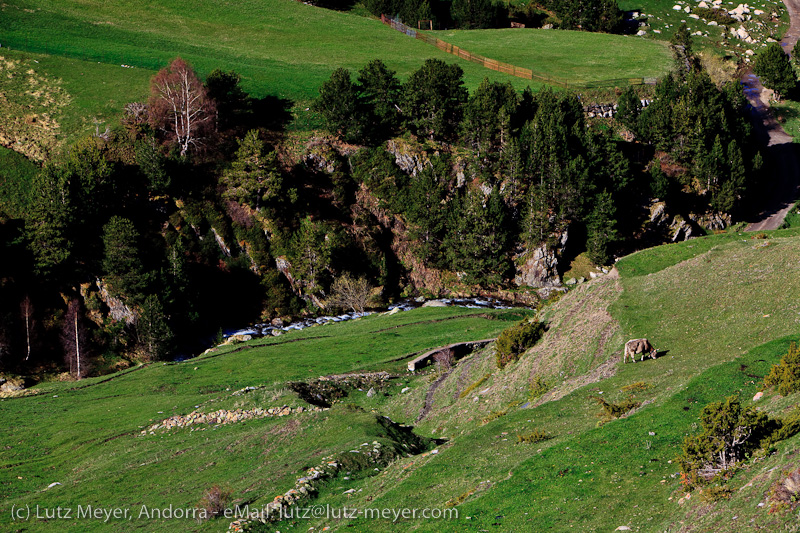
(285, 48)
(571, 56)
(86, 435)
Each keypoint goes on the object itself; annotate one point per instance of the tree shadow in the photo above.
(270, 112)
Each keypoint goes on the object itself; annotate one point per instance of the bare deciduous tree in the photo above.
(26, 311)
(179, 105)
(73, 339)
(350, 292)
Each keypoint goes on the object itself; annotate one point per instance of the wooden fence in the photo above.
(507, 68)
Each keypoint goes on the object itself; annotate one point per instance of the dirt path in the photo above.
(785, 184)
(431, 392)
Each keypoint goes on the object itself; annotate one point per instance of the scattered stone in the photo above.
(224, 416)
(623, 528)
(434, 303)
(51, 485)
(676, 7)
(370, 393)
(571, 281)
(758, 396)
(405, 390)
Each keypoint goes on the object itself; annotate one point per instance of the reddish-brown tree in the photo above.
(73, 339)
(179, 106)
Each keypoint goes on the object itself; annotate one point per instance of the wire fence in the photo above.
(508, 68)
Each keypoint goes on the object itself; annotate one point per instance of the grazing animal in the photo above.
(642, 346)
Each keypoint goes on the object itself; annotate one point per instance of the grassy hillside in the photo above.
(86, 435)
(280, 47)
(573, 56)
(711, 305)
(16, 174)
(708, 304)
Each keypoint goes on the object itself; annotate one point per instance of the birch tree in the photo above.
(73, 340)
(26, 311)
(180, 107)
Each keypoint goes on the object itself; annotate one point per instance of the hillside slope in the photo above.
(721, 310)
(708, 329)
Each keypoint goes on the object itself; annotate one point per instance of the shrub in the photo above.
(729, 434)
(515, 340)
(633, 388)
(715, 493)
(786, 374)
(538, 387)
(534, 437)
(615, 410)
(214, 501)
(719, 16)
(474, 386)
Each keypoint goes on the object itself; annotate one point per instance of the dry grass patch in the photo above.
(31, 107)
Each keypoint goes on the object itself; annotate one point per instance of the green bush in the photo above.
(730, 434)
(534, 437)
(538, 386)
(513, 342)
(615, 410)
(474, 386)
(786, 374)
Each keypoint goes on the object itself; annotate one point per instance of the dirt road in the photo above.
(784, 185)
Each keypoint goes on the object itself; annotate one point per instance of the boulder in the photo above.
(434, 303)
(12, 385)
(680, 229)
(539, 267)
(410, 158)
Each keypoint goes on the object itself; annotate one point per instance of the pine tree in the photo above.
(774, 68)
(339, 105)
(477, 239)
(122, 265)
(487, 116)
(433, 99)
(312, 246)
(628, 110)
(48, 220)
(253, 178)
(601, 229)
(152, 330)
(379, 96)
